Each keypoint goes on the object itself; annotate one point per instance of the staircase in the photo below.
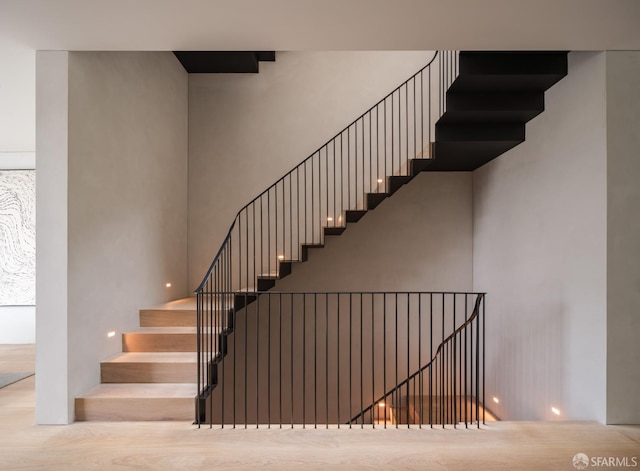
(154, 378)
(459, 112)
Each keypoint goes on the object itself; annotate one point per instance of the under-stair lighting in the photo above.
(168, 285)
(555, 411)
(379, 180)
(329, 219)
(381, 404)
(111, 334)
(280, 257)
(496, 400)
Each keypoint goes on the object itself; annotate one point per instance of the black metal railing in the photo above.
(449, 389)
(320, 359)
(336, 184)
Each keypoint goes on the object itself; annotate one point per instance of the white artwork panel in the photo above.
(17, 237)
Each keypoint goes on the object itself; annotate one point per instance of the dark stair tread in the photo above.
(305, 250)
(374, 199)
(420, 165)
(394, 182)
(492, 83)
(486, 116)
(354, 215)
(333, 230)
(494, 101)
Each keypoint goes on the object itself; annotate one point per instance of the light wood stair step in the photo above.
(150, 367)
(160, 339)
(136, 401)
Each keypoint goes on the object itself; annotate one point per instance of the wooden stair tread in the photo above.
(154, 357)
(142, 390)
(182, 304)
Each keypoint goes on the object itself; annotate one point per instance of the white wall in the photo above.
(540, 240)
(17, 146)
(126, 209)
(18, 98)
(247, 131)
(623, 226)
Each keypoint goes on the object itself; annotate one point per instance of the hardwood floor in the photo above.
(180, 445)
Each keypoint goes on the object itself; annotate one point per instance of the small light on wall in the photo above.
(280, 257)
(496, 400)
(379, 180)
(111, 334)
(329, 218)
(168, 285)
(381, 404)
(555, 411)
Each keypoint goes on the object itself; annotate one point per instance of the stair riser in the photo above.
(465, 132)
(148, 408)
(148, 372)
(167, 318)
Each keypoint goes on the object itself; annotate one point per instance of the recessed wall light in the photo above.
(555, 411)
(168, 285)
(379, 180)
(329, 218)
(280, 257)
(111, 334)
(496, 400)
(381, 404)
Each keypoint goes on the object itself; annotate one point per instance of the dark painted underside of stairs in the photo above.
(223, 62)
(488, 104)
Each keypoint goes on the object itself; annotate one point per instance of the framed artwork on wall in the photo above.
(17, 237)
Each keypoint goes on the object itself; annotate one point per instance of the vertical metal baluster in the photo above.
(268, 360)
(384, 354)
(466, 397)
(291, 357)
(246, 218)
(453, 365)
(306, 239)
(350, 356)
(363, 170)
(355, 159)
(408, 354)
(373, 358)
(253, 206)
(349, 168)
(304, 359)
(370, 155)
(313, 206)
(326, 187)
(431, 356)
(315, 360)
(361, 353)
(335, 211)
(326, 358)
(246, 330)
(280, 357)
(268, 232)
(393, 127)
(395, 347)
(342, 206)
(421, 383)
(415, 148)
(406, 124)
(257, 301)
(338, 369)
(482, 306)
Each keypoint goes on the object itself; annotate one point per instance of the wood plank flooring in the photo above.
(182, 446)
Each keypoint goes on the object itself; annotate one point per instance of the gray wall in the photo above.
(623, 236)
(126, 166)
(420, 239)
(245, 132)
(540, 238)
